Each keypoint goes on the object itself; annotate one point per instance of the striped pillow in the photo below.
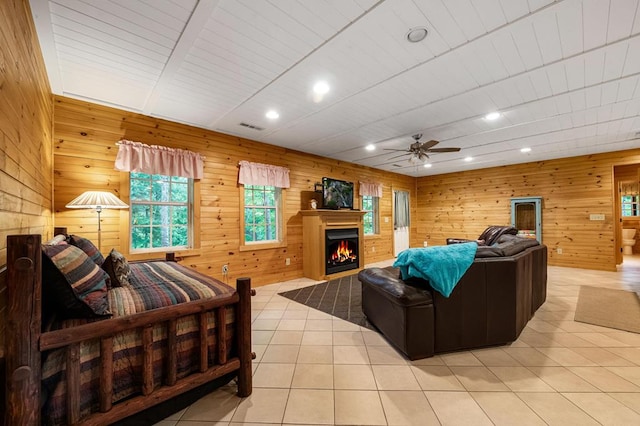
(118, 268)
(75, 285)
(88, 247)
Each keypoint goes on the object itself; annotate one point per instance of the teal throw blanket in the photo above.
(442, 266)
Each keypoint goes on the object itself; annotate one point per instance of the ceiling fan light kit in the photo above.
(419, 151)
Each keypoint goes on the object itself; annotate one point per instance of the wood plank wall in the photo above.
(26, 111)
(463, 204)
(85, 135)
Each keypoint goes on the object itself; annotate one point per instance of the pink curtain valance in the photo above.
(158, 160)
(371, 189)
(263, 174)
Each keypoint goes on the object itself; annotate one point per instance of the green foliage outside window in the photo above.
(370, 218)
(160, 211)
(630, 205)
(260, 213)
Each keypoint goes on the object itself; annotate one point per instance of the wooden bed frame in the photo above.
(25, 342)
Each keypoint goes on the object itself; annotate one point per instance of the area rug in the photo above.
(341, 297)
(608, 307)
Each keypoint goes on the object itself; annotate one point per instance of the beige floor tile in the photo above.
(313, 376)
(434, 360)
(478, 379)
(601, 339)
(535, 339)
(570, 340)
(530, 357)
(285, 337)
(262, 337)
(571, 326)
(520, 379)
(395, 377)
(292, 324)
(200, 423)
(385, 355)
(342, 325)
(457, 408)
(631, 354)
(317, 337)
(216, 406)
(460, 358)
(262, 406)
(542, 326)
(273, 375)
(315, 314)
(603, 357)
(259, 351)
(265, 324)
(567, 357)
(604, 409)
(176, 416)
(281, 353)
(310, 406)
(348, 338)
(505, 408)
(435, 377)
(295, 313)
(407, 408)
(356, 407)
(318, 324)
(315, 355)
(353, 377)
(166, 423)
(604, 379)
(631, 400)
(350, 355)
(555, 409)
(271, 314)
(371, 338)
(632, 339)
(277, 304)
(495, 357)
(631, 374)
(563, 380)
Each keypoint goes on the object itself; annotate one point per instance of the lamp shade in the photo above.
(97, 199)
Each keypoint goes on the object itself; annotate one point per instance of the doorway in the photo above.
(401, 221)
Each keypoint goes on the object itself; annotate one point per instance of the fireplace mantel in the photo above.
(314, 224)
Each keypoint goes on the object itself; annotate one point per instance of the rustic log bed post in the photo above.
(25, 342)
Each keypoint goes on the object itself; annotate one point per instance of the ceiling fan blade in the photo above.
(428, 144)
(444, 150)
(391, 149)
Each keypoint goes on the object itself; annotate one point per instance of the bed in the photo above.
(147, 348)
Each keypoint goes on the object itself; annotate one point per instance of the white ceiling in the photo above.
(564, 74)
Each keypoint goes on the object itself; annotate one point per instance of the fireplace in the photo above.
(341, 250)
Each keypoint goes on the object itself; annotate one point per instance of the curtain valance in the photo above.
(263, 174)
(371, 189)
(158, 160)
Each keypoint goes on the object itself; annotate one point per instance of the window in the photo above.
(262, 214)
(630, 206)
(370, 206)
(161, 211)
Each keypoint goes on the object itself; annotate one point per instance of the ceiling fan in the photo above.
(421, 150)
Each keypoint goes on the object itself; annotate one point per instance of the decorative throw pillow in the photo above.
(88, 247)
(118, 268)
(73, 283)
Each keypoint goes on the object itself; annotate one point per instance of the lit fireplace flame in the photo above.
(342, 253)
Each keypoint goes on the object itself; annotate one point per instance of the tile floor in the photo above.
(312, 368)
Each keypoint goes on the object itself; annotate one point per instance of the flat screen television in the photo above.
(337, 194)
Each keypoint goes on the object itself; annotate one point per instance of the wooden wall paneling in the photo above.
(26, 112)
(464, 204)
(84, 139)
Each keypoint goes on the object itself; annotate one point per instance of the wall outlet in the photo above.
(559, 250)
(425, 243)
(225, 269)
(373, 249)
(287, 261)
(386, 219)
(596, 217)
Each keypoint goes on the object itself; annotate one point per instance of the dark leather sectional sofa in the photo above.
(490, 305)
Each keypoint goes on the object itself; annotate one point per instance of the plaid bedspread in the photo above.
(152, 285)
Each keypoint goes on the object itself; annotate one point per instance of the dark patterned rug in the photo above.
(341, 298)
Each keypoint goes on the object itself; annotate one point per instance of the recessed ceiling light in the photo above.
(416, 34)
(492, 116)
(525, 150)
(467, 159)
(427, 165)
(272, 114)
(370, 147)
(321, 88)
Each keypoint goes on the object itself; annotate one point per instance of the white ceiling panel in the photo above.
(564, 74)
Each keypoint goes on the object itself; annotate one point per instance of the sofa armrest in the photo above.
(459, 241)
(393, 288)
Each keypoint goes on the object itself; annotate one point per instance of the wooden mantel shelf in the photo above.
(314, 224)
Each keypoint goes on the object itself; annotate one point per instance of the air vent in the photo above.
(251, 126)
(396, 165)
